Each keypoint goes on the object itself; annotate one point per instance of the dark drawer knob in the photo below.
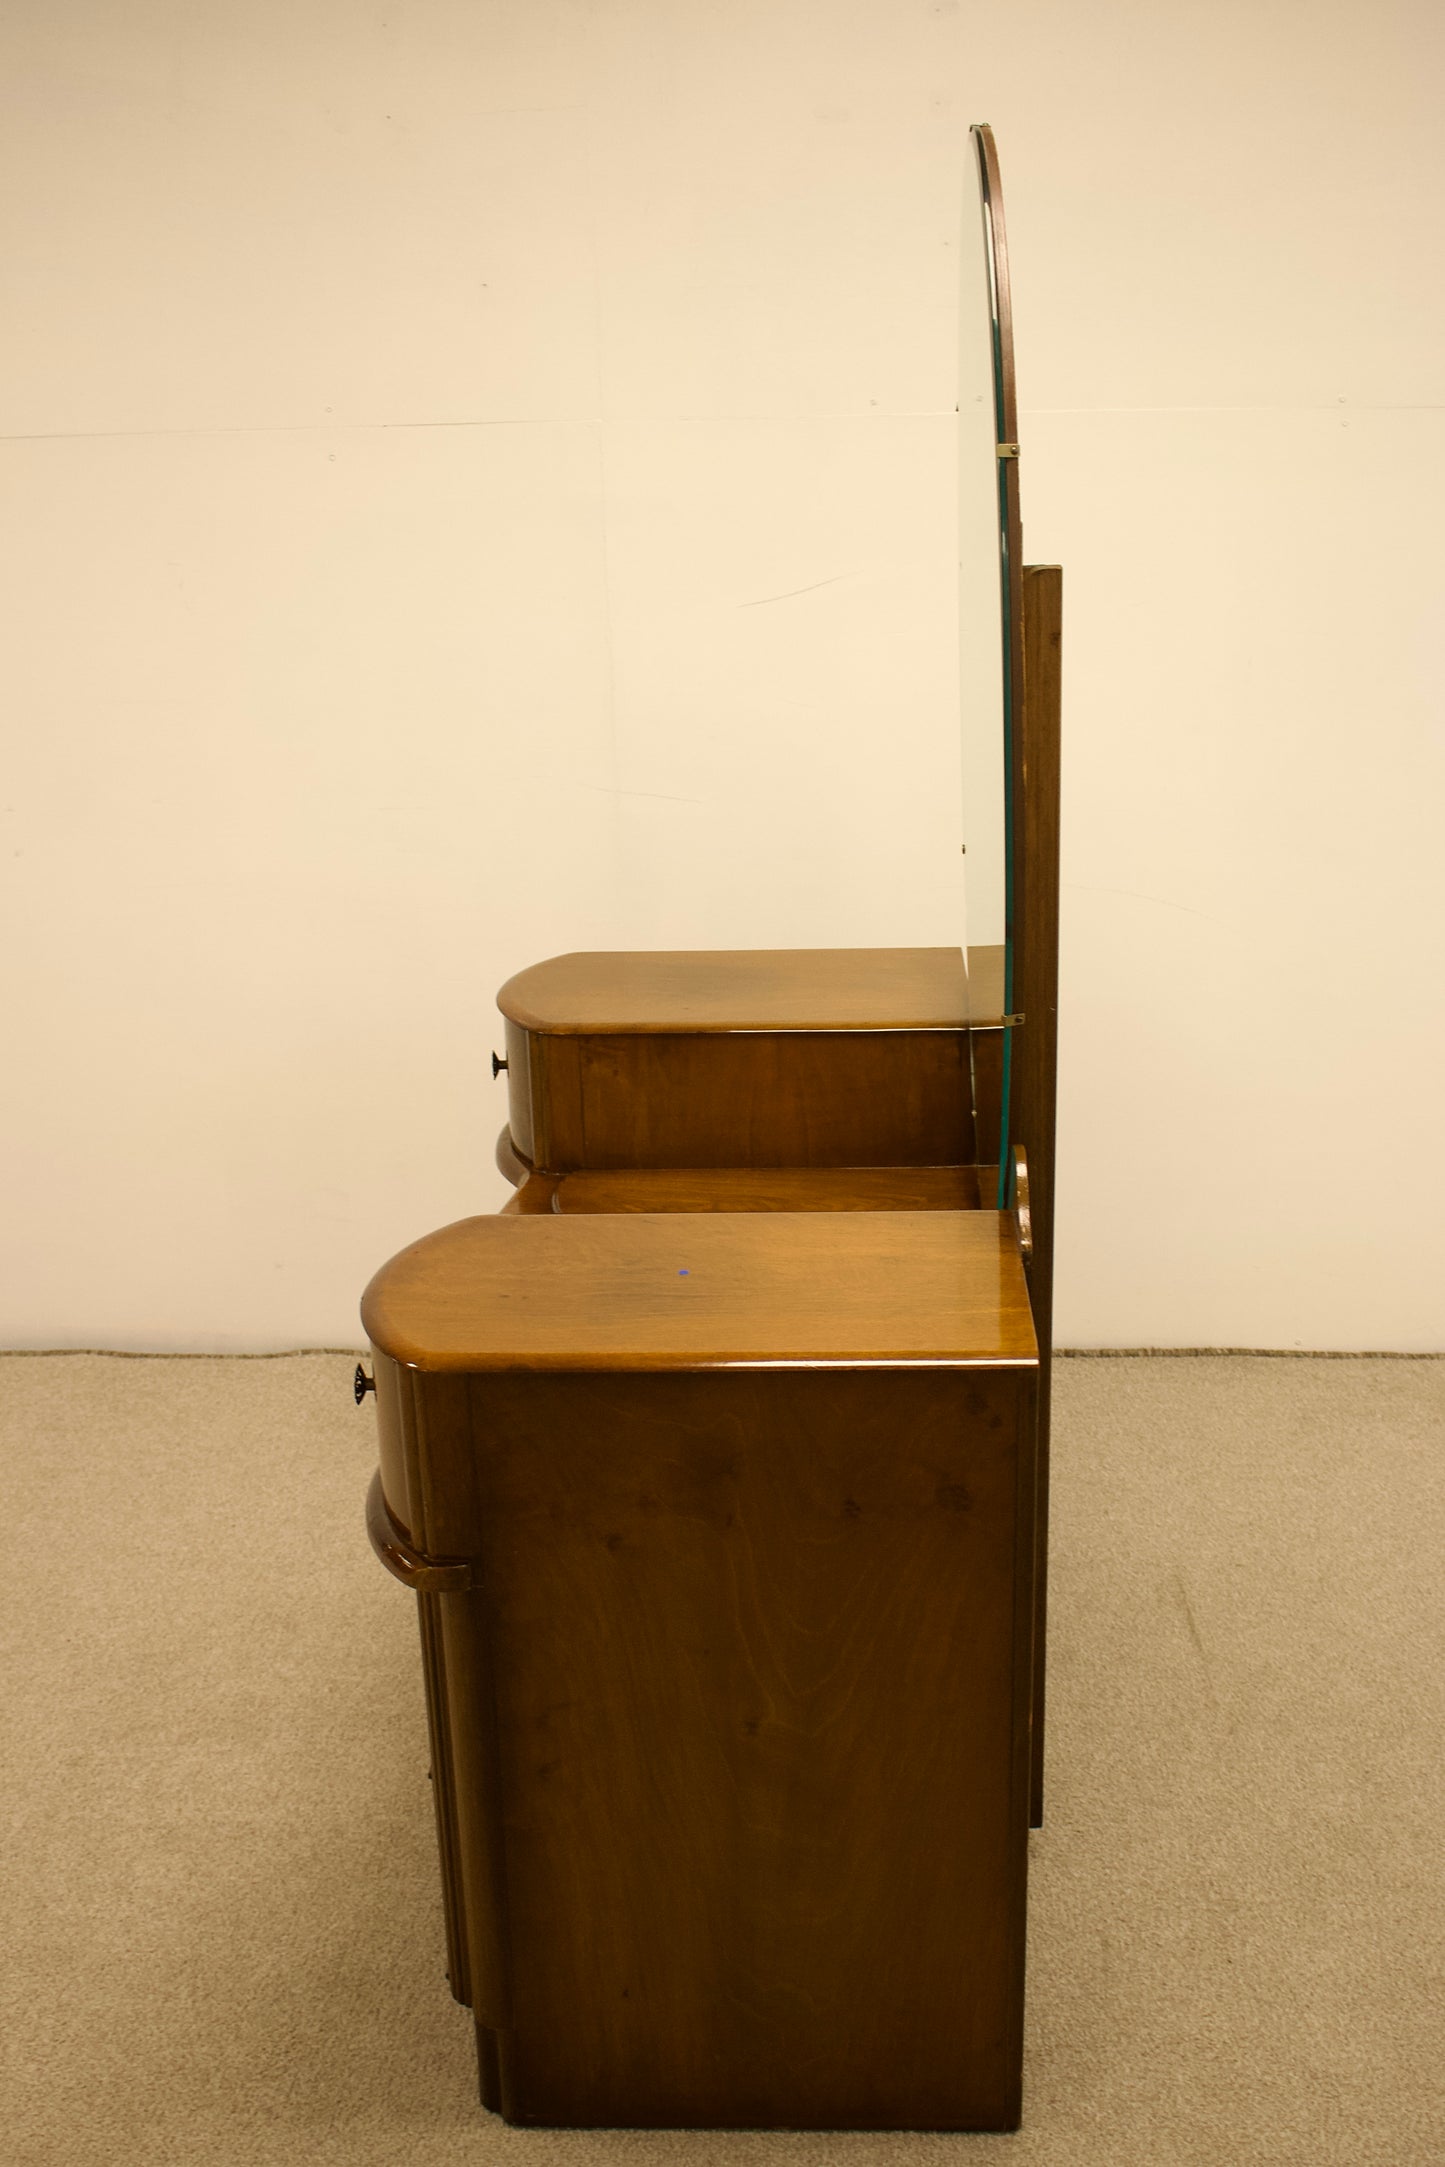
(498, 1064)
(362, 1384)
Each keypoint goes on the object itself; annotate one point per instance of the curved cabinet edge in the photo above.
(424, 1575)
(510, 1161)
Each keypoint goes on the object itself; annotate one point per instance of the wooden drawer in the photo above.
(391, 1384)
(790, 1058)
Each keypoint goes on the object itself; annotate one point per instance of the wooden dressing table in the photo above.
(717, 1461)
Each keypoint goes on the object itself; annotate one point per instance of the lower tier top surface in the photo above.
(693, 1290)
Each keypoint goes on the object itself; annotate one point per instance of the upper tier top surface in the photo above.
(754, 989)
(674, 1290)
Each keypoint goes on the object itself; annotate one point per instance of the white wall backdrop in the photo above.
(478, 481)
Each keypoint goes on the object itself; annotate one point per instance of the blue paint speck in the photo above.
(684, 1273)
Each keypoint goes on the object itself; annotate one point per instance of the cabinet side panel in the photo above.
(796, 1098)
(761, 1744)
(556, 1086)
(443, 1485)
(1024, 1415)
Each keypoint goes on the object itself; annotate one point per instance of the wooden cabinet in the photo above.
(718, 1462)
(847, 1057)
(730, 1680)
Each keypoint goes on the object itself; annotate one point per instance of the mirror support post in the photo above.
(1035, 1052)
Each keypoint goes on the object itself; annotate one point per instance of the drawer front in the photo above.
(519, 1090)
(391, 1441)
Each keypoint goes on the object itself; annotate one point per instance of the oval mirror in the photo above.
(989, 635)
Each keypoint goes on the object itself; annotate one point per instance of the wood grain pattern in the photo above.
(392, 1448)
(423, 1575)
(755, 989)
(788, 1188)
(519, 1097)
(745, 1686)
(799, 1098)
(559, 1135)
(467, 1668)
(664, 1290)
(795, 1057)
(537, 1192)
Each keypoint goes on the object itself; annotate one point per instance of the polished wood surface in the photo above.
(740, 1709)
(1035, 1050)
(400, 1530)
(536, 1192)
(800, 1057)
(758, 989)
(1019, 1205)
(668, 1907)
(444, 1794)
(423, 1575)
(674, 1291)
(754, 989)
(754, 1098)
(516, 1146)
(396, 1485)
(787, 1188)
(466, 1670)
(510, 1161)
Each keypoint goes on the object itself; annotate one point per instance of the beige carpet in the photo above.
(222, 1939)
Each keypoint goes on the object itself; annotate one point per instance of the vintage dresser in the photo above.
(718, 1464)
